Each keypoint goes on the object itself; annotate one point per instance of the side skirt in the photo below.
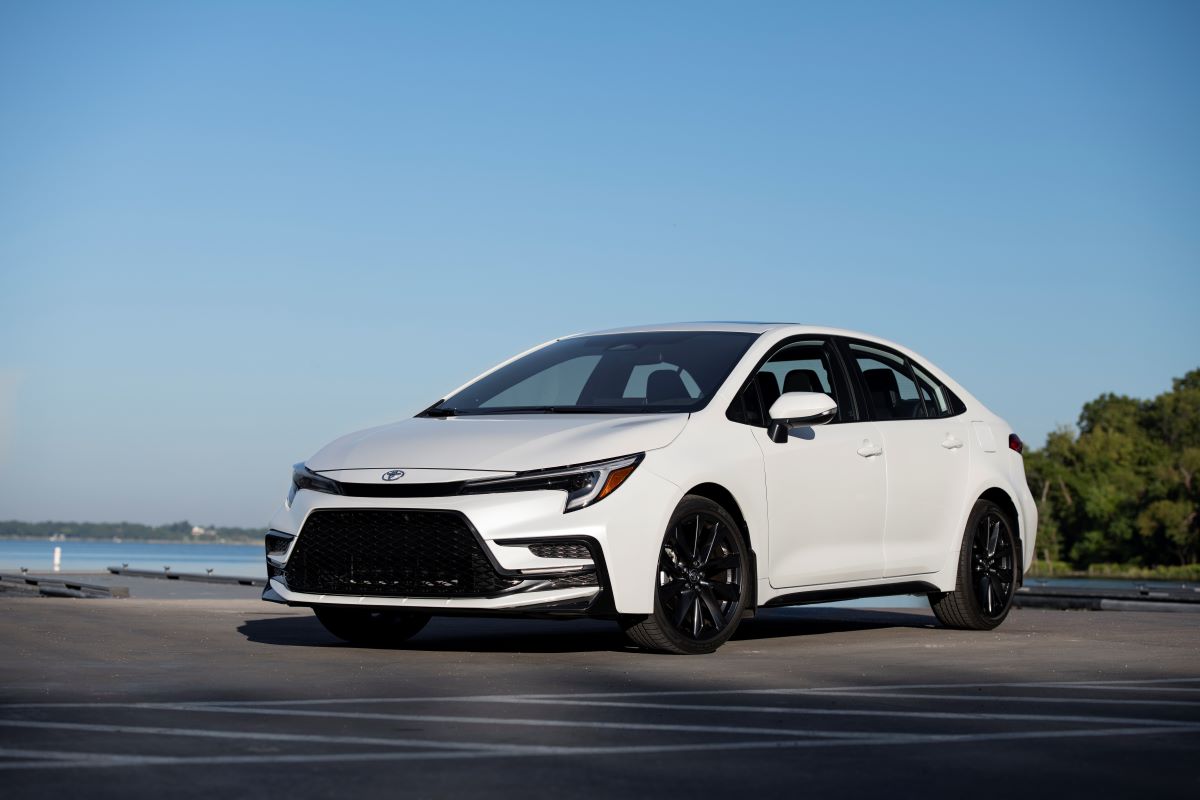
(851, 593)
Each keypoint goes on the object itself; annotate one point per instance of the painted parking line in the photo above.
(426, 750)
(700, 707)
(1147, 684)
(846, 712)
(50, 755)
(661, 727)
(1008, 698)
(150, 730)
(62, 759)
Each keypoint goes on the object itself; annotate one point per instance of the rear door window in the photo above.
(890, 389)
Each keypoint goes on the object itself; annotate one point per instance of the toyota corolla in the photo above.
(672, 478)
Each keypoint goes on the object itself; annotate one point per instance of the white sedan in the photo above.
(673, 478)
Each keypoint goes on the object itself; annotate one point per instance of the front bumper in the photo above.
(622, 532)
(557, 602)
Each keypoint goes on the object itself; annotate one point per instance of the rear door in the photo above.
(925, 452)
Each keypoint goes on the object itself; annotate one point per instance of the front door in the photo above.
(826, 486)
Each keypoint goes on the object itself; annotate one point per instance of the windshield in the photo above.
(618, 373)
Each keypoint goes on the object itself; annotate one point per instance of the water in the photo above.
(246, 560)
(242, 560)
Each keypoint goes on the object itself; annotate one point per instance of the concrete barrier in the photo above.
(187, 576)
(58, 587)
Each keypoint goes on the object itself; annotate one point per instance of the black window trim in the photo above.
(957, 407)
(838, 369)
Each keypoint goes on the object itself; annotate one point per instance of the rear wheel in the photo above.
(987, 573)
(702, 583)
(371, 627)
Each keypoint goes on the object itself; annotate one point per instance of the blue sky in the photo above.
(230, 232)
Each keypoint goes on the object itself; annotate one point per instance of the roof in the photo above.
(786, 328)
(730, 327)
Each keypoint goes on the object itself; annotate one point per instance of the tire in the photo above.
(371, 627)
(987, 572)
(702, 585)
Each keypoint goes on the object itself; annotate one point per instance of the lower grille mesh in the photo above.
(391, 552)
(560, 550)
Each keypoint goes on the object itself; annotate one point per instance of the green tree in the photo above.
(1126, 488)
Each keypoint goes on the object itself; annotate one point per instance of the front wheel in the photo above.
(371, 627)
(702, 585)
(987, 573)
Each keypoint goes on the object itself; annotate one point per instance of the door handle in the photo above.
(869, 449)
(952, 442)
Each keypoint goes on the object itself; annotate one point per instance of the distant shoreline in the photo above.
(130, 540)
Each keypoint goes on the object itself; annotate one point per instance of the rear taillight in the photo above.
(1015, 443)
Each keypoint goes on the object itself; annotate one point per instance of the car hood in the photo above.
(501, 443)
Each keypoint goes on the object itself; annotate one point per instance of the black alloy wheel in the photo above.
(702, 582)
(988, 572)
(993, 559)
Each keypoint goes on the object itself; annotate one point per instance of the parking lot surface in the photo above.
(137, 698)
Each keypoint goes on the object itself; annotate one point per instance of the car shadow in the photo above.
(455, 634)
(507, 635)
(775, 623)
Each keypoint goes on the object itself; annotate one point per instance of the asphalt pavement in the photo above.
(140, 698)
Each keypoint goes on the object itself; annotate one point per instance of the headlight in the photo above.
(584, 483)
(304, 478)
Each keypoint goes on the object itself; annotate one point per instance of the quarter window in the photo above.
(932, 393)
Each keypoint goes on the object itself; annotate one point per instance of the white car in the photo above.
(674, 478)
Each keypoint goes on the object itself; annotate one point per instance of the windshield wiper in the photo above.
(483, 412)
(524, 410)
(440, 412)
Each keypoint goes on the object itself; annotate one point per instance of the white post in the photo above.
(57, 559)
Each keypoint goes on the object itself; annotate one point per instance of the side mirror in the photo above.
(794, 409)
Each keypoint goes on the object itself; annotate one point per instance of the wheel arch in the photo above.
(725, 499)
(1006, 502)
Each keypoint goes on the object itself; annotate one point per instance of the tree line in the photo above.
(1123, 488)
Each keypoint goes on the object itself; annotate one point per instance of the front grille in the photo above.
(389, 553)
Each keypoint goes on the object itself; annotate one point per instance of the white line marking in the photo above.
(108, 760)
(51, 755)
(530, 723)
(1092, 687)
(1111, 685)
(704, 707)
(839, 712)
(1003, 698)
(1160, 685)
(1134, 684)
(260, 736)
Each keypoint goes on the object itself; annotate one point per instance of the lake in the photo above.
(246, 560)
(243, 560)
